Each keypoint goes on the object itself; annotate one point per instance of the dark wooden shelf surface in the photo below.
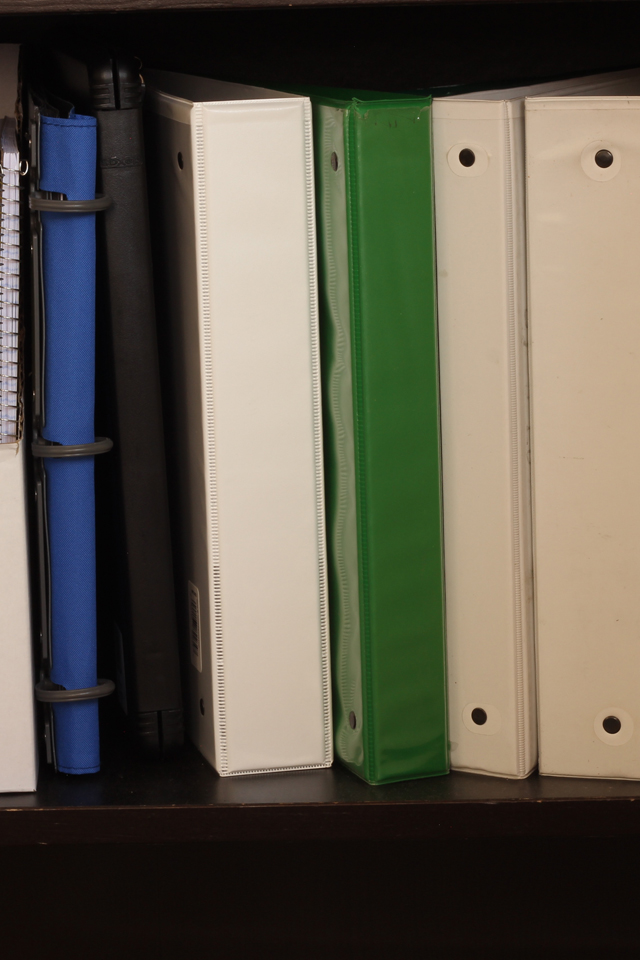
(184, 800)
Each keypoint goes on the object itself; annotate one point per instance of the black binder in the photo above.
(144, 610)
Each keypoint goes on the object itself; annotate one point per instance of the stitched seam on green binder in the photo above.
(359, 441)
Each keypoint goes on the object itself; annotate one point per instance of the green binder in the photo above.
(381, 423)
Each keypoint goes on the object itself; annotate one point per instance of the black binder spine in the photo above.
(146, 614)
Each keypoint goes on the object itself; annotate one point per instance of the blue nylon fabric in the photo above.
(68, 165)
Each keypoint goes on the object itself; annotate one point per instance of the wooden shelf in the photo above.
(184, 800)
(119, 6)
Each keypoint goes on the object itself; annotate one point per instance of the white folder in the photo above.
(480, 227)
(18, 761)
(234, 172)
(583, 170)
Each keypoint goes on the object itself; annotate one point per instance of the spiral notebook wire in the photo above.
(9, 282)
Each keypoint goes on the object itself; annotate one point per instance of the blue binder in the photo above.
(68, 166)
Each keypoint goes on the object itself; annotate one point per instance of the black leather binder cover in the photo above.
(146, 607)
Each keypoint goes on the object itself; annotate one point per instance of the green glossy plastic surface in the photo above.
(381, 422)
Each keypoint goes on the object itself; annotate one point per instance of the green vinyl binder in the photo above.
(381, 423)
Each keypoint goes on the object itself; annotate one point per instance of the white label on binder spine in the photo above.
(194, 627)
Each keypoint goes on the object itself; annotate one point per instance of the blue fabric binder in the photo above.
(68, 166)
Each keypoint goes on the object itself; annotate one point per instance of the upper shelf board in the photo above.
(116, 6)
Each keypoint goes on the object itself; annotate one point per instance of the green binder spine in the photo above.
(382, 444)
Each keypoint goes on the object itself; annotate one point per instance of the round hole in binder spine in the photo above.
(604, 158)
(479, 716)
(611, 725)
(334, 162)
(601, 160)
(352, 720)
(467, 157)
(180, 161)
(482, 719)
(49, 692)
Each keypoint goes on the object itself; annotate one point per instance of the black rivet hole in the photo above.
(611, 725)
(604, 158)
(479, 716)
(334, 162)
(180, 161)
(352, 720)
(202, 707)
(467, 158)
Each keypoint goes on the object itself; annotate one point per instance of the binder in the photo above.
(233, 183)
(141, 609)
(63, 209)
(18, 761)
(583, 187)
(479, 159)
(382, 444)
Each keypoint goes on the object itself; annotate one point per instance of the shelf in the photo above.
(184, 800)
(118, 6)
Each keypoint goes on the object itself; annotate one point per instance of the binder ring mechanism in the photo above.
(47, 449)
(49, 692)
(45, 205)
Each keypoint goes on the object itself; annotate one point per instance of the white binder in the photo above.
(480, 228)
(234, 173)
(583, 169)
(18, 762)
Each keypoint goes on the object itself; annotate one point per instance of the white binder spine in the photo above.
(247, 368)
(584, 235)
(483, 359)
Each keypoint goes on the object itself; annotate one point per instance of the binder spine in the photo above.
(212, 432)
(64, 481)
(140, 599)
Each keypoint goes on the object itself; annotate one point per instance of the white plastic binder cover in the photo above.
(236, 173)
(480, 206)
(18, 767)
(583, 166)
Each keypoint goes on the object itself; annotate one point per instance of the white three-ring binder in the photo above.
(234, 168)
(18, 766)
(583, 175)
(479, 160)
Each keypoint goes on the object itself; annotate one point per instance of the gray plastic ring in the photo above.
(41, 448)
(46, 694)
(70, 206)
